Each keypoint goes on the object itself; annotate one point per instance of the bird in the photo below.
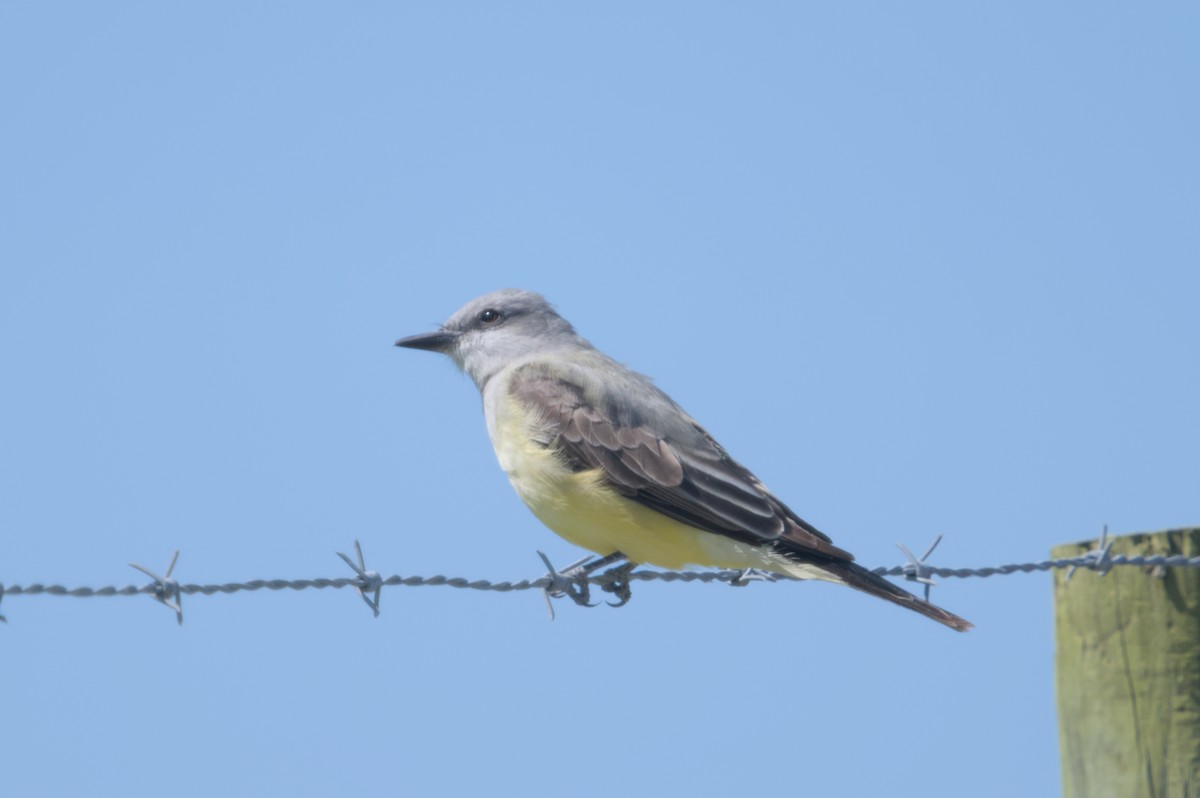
(607, 460)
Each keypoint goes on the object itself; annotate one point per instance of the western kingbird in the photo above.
(611, 463)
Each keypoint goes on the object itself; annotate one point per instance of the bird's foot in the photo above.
(616, 579)
(573, 583)
(617, 583)
(570, 582)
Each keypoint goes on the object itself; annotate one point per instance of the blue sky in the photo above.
(925, 268)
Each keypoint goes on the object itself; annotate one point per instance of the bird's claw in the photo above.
(578, 590)
(570, 582)
(617, 583)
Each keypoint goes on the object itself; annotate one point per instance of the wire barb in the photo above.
(568, 582)
(745, 576)
(368, 581)
(1098, 559)
(916, 569)
(166, 590)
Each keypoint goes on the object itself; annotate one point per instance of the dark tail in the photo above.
(860, 578)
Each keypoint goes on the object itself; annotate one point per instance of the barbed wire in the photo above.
(574, 580)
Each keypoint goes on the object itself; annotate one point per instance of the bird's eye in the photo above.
(489, 316)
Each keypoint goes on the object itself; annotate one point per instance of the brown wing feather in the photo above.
(693, 481)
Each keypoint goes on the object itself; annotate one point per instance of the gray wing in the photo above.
(681, 472)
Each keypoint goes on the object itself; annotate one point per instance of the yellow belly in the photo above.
(582, 508)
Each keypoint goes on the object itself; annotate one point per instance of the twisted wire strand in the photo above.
(542, 583)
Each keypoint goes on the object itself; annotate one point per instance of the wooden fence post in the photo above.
(1128, 672)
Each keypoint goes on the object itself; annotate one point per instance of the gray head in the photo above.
(491, 331)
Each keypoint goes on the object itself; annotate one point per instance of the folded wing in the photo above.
(686, 476)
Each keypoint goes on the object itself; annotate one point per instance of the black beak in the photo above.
(438, 341)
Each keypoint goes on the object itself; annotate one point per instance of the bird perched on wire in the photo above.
(608, 461)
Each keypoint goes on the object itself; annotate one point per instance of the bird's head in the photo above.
(496, 329)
